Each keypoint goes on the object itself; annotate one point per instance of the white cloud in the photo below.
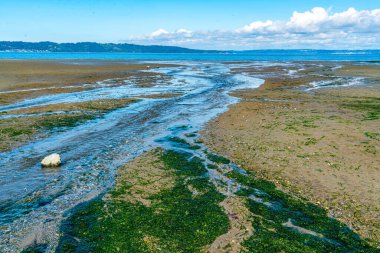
(183, 31)
(159, 32)
(358, 21)
(309, 21)
(164, 35)
(319, 20)
(256, 26)
(317, 28)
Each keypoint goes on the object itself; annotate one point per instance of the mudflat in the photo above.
(322, 144)
(23, 79)
(27, 79)
(23, 74)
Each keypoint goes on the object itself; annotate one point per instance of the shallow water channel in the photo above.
(33, 199)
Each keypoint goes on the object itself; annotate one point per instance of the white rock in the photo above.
(53, 160)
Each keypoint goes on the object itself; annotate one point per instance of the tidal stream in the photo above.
(33, 200)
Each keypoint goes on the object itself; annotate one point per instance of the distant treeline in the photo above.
(92, 47)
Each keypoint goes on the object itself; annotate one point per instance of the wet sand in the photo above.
(24, 74)
(23, 79)
(26, 79)
(322, 145)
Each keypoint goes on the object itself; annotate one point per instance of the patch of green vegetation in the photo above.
(121, 190)
(107, 105)
(179, 128)
(38, 248)
(218, 159)
(176, 221)
(212, 166)
(310, 141)
(370, 149)
(295, 123)
(55, 121)
(278, 208)
(370, 106)
(195, 147)
(182, 165)
(372, 116)
(178, 140)
(271, 125)
(183, 143)
(191, 135)
(11, 132)
(372, 135)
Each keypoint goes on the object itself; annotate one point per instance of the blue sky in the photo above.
(201, 24)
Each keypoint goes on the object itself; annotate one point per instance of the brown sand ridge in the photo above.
(240, 227)
(143, 177)
(323, 145)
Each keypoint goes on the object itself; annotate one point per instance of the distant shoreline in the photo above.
(256, 55)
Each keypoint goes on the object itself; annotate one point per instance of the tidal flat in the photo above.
(190, 157)
(320, 144)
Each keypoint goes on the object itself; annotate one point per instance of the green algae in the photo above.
(310, 141)
(371, 108)
(295, 123)
(178, 140)
(273, 208)
(179, 221)
(372, 135)
(191, 135)
(218, 159)
(183, 143)
(175, 222)
(14, 132)
(53, 122)
(37, 248)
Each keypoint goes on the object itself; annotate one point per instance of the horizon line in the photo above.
(158, 45)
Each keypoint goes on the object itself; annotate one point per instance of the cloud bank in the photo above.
(317, 28)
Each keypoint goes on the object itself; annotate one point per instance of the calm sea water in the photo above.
(257, 55)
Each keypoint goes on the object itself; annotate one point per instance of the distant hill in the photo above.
(93, 47)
